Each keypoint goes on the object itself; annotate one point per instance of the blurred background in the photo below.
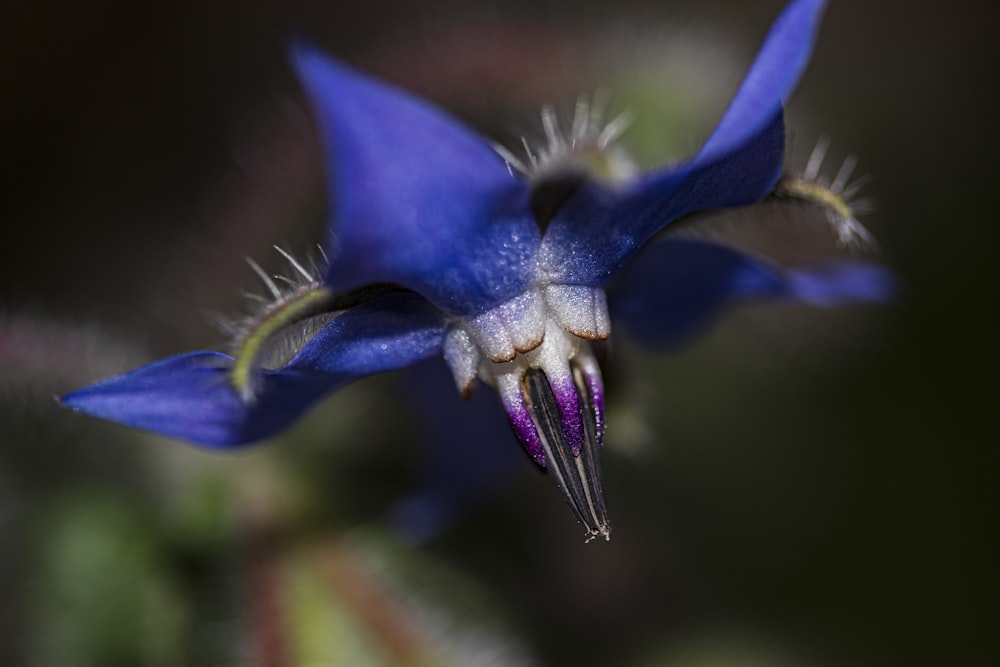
(797, 487)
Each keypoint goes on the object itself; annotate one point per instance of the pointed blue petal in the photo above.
(597, 230)
(416, 198)
(190, 396)
(832, 284)
(675, 289)
(774, 73)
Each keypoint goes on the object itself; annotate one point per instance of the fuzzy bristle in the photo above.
(588, 147)
(292, 299)
(836, 197)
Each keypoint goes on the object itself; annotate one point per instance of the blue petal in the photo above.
(774, 73)
(675, 289)
(190, 396)
(598, 230)
(417, 199)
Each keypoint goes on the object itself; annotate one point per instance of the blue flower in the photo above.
(440, 245)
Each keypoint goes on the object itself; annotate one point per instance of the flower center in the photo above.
(536, 351)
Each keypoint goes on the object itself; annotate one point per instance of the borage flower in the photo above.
(441, 245)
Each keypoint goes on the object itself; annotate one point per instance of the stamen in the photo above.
(577, 474)
(587, 376)
(535, 350)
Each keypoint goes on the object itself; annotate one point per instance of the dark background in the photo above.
(796, 488)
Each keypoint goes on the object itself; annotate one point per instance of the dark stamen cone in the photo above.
(577, 476)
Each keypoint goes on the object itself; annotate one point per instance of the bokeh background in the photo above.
(795, 488)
